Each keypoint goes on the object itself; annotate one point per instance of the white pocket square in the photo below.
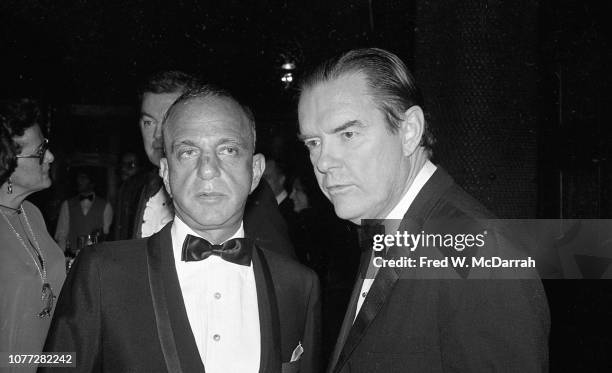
(297, 352)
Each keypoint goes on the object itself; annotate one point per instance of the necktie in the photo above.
(88, 196)
(237, 250)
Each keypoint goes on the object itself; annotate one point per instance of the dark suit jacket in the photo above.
(131, 203)
(262, 219)
(264, 222)
(443, 325)
(121, 309)
(286, 210)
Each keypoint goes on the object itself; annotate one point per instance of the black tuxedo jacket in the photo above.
(443, 325)
(286, 210)
(121, 310)
(263, 221)
(131, 203)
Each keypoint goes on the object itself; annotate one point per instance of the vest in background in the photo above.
(85, 224)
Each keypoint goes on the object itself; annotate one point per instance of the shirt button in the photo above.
(216, 337)
(217, 295)
(364, 294)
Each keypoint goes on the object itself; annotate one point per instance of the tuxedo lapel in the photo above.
(269, 321)
(380, 290)
(175, 336)
(349, 316)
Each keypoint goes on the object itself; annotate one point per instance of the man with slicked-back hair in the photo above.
(361, 118)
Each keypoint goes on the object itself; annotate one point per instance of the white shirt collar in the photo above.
(421, 178)
(180, 230)
(281, 196)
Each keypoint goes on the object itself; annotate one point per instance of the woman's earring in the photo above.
(9, 187)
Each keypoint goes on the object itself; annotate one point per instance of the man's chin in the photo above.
(346, 211)
(215, 224)
(209, 215)
(46, 182)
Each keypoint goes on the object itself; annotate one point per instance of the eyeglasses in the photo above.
(40, 154)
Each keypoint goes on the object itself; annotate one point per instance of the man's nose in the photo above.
(157, 133)
(328, 159)
(208, 167)
(49, 157)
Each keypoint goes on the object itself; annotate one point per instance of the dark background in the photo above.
(516, 94)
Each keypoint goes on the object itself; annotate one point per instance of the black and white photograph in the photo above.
(276, 186)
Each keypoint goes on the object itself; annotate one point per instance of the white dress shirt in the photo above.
(398, 213)
(158, 212)
(221, 302)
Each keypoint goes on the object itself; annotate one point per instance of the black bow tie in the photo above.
(89, 197)
(237, 250)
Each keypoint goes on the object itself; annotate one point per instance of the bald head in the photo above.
(204, 114)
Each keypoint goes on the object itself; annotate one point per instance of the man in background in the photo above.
(143, 206)
(276, 176)
(84, 214)
(129, 166)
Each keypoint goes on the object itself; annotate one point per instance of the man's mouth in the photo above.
(211, 196)
(338, 188)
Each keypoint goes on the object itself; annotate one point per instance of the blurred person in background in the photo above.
(276, 175)
(306, 231)
(84, 214)
(129, 166)
(32, 267)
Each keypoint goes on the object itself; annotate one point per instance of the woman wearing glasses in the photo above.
(32, 266)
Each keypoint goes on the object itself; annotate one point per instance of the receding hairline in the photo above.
(247, 120)
(314, 84)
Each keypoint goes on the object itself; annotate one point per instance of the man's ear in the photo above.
(259, 165)
(163, 173)
(411, 129)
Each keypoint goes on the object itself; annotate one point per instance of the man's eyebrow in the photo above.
(232, 140)
(145, 114)
(222, 141)
(347, 125)
(176, 144)
(340, 128)
(303, 137)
